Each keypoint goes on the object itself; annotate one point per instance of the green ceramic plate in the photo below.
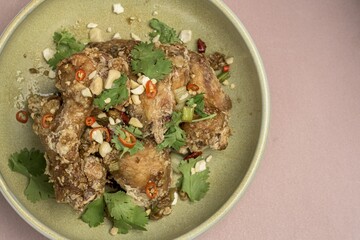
(231, 170)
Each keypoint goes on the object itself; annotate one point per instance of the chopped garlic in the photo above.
(185, 36)
(135, 99)
(135, 122)
(155, 13)
(109, 29)
(117, 121)
(111, 121)
(226, 83)
(176, 196)
(52, 74)
(102, 115)
(133, 84)
(48, 53)
(97, 136)
(138, 91)
(135, 37)
(156, 38)
(200, 166)
(96, 35)
(86, 92)
(229, 60)
(208, 159)
(118, 8)
(153, 80)
(143, 80)
(105, 149)
(193, 171)
(92, 75)
(91, 25)
(116, 36)
(95, 125)
(114, 231)
(96, 86)
(112, 76)
(232, 86)
(108, 100)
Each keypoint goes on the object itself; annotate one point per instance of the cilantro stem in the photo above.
(204, 118)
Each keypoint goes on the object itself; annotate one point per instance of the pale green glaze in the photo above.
(231, 170)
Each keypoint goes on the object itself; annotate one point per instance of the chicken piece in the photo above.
(213, 132)
(133, 173)
(153, 113)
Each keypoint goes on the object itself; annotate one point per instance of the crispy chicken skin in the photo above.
(134, 172)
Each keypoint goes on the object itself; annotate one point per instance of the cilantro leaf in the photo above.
(195, 185)
(175, 137)
(198, 101)
(66, 45)
(135, 131)
(126, 214)
(167, 34)
(117, 95)
(115, 140)
(94, 212)
(39, 188)
(32, 164)
(148, 60)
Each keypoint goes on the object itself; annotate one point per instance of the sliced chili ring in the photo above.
(193, 155)
(192, 87)
(151, 190)
(22, 116)
(150, 89)
(129, 141)
(46, 120)
(89, 121)
(104, 130)
(80, 75)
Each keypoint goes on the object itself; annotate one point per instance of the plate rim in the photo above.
(258, 155)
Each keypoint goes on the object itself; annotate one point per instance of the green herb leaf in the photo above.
(32, 164)
(118, 94)
(198, 101)
(94, 212)
(195, 185)
(167, 34)
(66, 45)
(148, 60)
(39, 188)
(126, 214)
(135, 131)
(175, 137)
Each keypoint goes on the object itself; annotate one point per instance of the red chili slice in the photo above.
(151, 190)
(89, 121)
(150, 89)
(129, 141)
(46, 120)
(193, 155)
(201, 46)
(80, 75)
(22, 116)
(192, 86)
(226, 68)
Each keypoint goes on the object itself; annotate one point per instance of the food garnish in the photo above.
(80, 75)
(151, 190)
(166, 33)
(22, 116)
(90, 121)
(46, 120)
(150, 89)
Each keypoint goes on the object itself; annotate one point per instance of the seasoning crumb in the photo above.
(114, 231)
(155, 13)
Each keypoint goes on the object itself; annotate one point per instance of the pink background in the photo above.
(308, 184)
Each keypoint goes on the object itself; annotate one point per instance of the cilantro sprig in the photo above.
(116, 95)
(150, 61)
(167, 34)
(32, 164)
(66, 45)
(175, 136)
(195, 185)
(123, 212)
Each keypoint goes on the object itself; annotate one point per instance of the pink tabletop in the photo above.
(308, 184)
